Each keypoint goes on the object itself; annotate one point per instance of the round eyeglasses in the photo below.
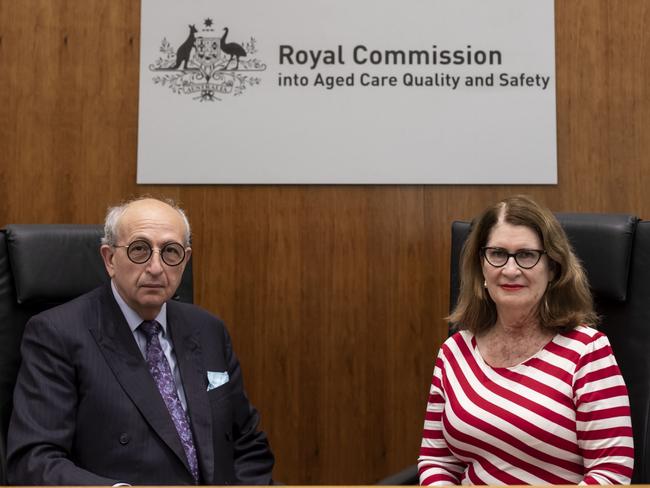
(525, 258)
(139, 252)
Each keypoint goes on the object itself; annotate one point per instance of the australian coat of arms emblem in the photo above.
(207, 66)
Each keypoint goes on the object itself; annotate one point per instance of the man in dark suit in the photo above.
(122, 385)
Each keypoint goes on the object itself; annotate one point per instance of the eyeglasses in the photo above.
(525, 258)
(139, 252)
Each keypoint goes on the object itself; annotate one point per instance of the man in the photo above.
(124, 386)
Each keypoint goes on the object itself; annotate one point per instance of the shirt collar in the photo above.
(131, 316)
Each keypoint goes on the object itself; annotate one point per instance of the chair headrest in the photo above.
(53, 263)
(603, 243)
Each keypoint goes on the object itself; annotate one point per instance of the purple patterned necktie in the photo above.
(162, 374)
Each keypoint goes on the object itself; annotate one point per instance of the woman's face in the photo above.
(515, 290)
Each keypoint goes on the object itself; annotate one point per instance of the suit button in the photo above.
(124, 438)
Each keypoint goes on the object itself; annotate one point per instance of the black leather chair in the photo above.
(615, 252)
(42, 266)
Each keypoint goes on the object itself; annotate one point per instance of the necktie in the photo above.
(162, 375)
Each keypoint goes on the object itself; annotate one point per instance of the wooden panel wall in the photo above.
(334, 295)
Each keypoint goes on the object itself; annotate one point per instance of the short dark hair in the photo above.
(567, 301)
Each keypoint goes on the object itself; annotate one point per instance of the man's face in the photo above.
(145, 287)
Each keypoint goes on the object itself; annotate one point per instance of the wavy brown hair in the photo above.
(567, 301)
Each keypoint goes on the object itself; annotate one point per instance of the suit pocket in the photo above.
(218, 395)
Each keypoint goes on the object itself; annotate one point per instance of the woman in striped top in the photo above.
(527, 392)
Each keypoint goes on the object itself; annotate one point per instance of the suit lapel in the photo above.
(187, 345)
(123, 356)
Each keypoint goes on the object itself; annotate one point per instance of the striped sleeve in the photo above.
(436, 464)
(604, 429)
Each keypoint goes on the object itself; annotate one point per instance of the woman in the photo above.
(528, 392)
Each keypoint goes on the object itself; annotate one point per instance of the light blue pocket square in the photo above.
(217, 378)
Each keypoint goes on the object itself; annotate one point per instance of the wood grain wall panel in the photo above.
(602, 96)
(334, 295)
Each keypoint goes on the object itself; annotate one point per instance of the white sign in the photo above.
(347, 91)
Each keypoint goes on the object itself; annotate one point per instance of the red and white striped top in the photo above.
(560, 417)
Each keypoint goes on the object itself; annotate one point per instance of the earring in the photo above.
(484, 283)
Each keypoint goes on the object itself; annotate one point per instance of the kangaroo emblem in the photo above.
(183, 52)
(200, 66)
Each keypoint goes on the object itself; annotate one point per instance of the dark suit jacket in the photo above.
(87, 411)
